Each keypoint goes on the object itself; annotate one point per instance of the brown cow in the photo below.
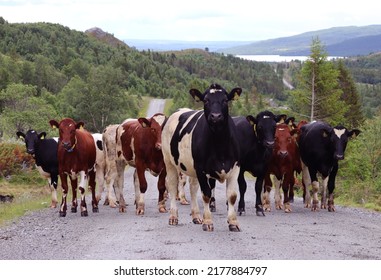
(138, 143)
(76, 157)
(285, 160)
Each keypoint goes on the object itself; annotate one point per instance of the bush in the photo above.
(14, 159)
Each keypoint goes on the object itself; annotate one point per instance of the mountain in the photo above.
(339, 41)
(104, 37)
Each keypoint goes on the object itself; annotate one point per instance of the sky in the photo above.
(195, 20)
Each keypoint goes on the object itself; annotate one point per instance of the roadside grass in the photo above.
(27, 196)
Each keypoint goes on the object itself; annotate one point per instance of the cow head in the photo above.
(216, 107)
(264, 125)
(31, 139)
(283, 139)
(338, 137)
(67, 131)
(155, 127)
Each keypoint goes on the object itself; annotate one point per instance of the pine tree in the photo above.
(318, 95)
(354, 116)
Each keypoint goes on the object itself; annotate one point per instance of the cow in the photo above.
(114, 168)
(256, 138)
(203, 145)
(284, 162)
(76, 157)
(138, 144)
(321, 147)
(44, 151)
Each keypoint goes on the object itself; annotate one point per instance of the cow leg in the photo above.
(120, 166)
(266, 193)
(63, 207)
(291, 190)
(331, 188)
(92, 184)
(277, 195)
(207, 224)
(195, 210)
(53, 182)
(286, 185)
(110, 177)
(323, 204)
(242, 190)
(74, 203)
(82, 185)
(212, 203)
(231, 197)
(161, 188)
(100, 179)
(306, 184)
(258, 195)
(172, 181)
(181, 190)
(140, 184)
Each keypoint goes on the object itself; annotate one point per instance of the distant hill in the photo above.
(104, 37)
(173, 45)
(339, 41)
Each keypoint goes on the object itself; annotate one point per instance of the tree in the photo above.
(354, 116)
(318, 94)
(21, 110)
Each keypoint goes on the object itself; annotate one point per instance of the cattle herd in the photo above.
(202, 146)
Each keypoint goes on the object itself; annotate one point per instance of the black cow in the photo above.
(44, 152)
(203, 145)
(321, 147)
(256, 138)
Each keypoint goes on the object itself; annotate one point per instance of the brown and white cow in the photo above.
(76, 157)
(138, 144)
(284, 162)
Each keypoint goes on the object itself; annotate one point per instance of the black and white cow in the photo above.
(203, 145)
(321, 147)
(44, 152)
(256, 138)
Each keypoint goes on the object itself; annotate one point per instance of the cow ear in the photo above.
(144, 122)
(234, 94)
(354, 132)
(42, 135)
(252, 121)
(54, 124)
(281, 118)
(325, 132)
(20, 135)
(79, 125)
(196, 94)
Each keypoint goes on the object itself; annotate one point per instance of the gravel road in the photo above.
(348, 234)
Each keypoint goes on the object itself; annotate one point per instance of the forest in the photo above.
(48, 71)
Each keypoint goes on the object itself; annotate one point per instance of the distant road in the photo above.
(155, 106)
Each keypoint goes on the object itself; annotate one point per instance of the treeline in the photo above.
(50, 71)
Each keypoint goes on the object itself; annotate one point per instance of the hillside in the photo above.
(339, 41)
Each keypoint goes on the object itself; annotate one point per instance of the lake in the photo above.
(277, 58)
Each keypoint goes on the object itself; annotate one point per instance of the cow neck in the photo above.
(72, 147)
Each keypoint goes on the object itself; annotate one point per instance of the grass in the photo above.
(27, 197)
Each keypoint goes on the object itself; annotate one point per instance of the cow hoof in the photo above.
(73, 210)
(84, 214)
(183, 201)
(331, 208)
(234, 228)
(62, 214)
(242, 212)
(260, 211)
(208, 227)
(173, 221)
(291, 200)
(95, 210)
(287, 210)
(162, 210)
(139, 212)
(197, 221)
